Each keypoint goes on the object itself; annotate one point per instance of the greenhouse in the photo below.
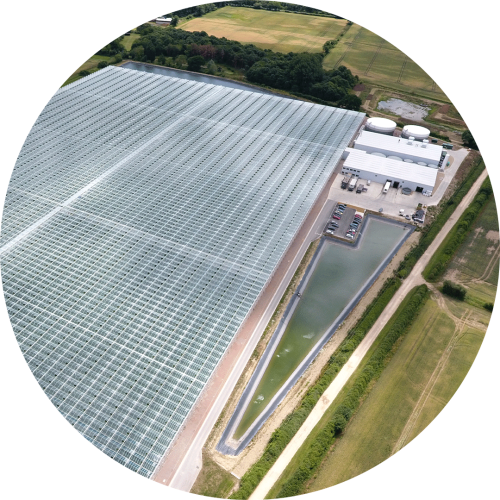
(144, 217)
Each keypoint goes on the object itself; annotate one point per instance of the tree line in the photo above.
(298, 73)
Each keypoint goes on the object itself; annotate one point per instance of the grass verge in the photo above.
(310, 456)
(213, 480)
(290, 425)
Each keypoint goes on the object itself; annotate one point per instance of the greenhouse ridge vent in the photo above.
(144, 217)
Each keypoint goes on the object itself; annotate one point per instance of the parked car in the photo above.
(350, 236)
(336, 217)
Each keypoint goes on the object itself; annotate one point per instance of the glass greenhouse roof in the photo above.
(144, 216)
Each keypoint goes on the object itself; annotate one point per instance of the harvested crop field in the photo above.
(278, 31)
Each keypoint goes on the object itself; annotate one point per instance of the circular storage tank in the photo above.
(406, 191)
(395, 158)
(382, 155)
(408, 160)
(380, 125)
(422, 163)
(419, 133)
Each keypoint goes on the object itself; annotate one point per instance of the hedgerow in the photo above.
(442, 257)
(446, 208)
(337, 423)
(291, 424)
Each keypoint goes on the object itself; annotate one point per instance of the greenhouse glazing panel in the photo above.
(144, 217)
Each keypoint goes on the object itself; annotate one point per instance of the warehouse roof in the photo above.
(385, 167)
(144, 217)
(399, 146)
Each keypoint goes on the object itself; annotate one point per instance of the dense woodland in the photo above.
(300, 74)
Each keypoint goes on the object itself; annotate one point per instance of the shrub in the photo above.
(488, 306)
(102, 64)
(195, 63)
(84, 72)
(454, 290)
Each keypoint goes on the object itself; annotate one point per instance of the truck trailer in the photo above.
(386, 187)
(352, 184)
(345, 182)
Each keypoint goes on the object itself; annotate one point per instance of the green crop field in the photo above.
(373, 59)
(378, 62)
(406, 398)
(278, 31)
(476, 262)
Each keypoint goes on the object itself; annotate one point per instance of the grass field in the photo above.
(213, 480)
(278, 31)
(423, 375)
(367, 55)
(476, 262)
(90, 65)
(302, 452)
(378, 62)
(129, 40)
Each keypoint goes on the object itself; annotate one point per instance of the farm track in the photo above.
(460, 324)
(402, 70)
(373, 60)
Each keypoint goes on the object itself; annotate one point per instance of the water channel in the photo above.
(196, 77)
(340, 273)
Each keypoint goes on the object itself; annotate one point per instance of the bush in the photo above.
(102, 64)
(488, 306)
(195, 63)
(84, 72)
(439, 136)
(454, 290)
(469, 140)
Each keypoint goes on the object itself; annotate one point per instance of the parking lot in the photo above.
(344, 223)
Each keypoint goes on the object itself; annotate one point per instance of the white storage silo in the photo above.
(381, 155)
(380, 125)
(422, 163)
(397, 158)
(415, 131)
(408, 160)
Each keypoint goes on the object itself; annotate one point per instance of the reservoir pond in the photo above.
(340, 273)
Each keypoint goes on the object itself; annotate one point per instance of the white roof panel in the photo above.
(413, 172)
(399, 146)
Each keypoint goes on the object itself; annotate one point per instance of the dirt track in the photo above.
(415, 278)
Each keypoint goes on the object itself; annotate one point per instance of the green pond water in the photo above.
(340, 273)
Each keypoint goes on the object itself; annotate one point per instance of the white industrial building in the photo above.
(423, 153)
(399, 173)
